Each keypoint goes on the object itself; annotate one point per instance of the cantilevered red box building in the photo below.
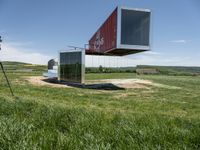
(126, 31)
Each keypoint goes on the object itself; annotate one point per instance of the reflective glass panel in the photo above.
(135, 27)
(71, 66)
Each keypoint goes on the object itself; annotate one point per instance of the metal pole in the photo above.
(11, 91)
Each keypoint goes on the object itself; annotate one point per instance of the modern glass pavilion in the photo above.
(71, 67)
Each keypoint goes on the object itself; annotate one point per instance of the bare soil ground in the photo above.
(40, 81)
(100, 84)
(124, 83)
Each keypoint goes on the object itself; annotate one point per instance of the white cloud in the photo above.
(151, 53)
(180, 41)
(20, 44)
(14, 52)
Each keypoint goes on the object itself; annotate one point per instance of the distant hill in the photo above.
(173, 70)
(143, 69)
(14, 63)
(22, 67)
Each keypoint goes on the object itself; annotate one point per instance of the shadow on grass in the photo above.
(97, 86)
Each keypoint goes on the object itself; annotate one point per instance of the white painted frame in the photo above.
(125, 46)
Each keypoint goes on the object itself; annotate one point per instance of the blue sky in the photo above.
(34, 30)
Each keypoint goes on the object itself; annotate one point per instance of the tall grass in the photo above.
(27, 125)
(42, 117)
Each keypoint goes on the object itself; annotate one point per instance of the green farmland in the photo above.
(44, 117)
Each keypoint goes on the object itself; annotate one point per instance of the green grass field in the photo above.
(42, 117)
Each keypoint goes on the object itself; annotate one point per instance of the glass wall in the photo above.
(135, 27)
(71, 67)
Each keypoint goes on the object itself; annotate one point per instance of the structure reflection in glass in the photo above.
(72, 66)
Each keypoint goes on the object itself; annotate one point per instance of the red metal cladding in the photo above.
(106, 37)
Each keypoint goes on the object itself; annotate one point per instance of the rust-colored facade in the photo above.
(106, 37)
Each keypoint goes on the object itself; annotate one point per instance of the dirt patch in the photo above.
(106, 84)
(39, 81)
(121, 83)
(125, 83)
